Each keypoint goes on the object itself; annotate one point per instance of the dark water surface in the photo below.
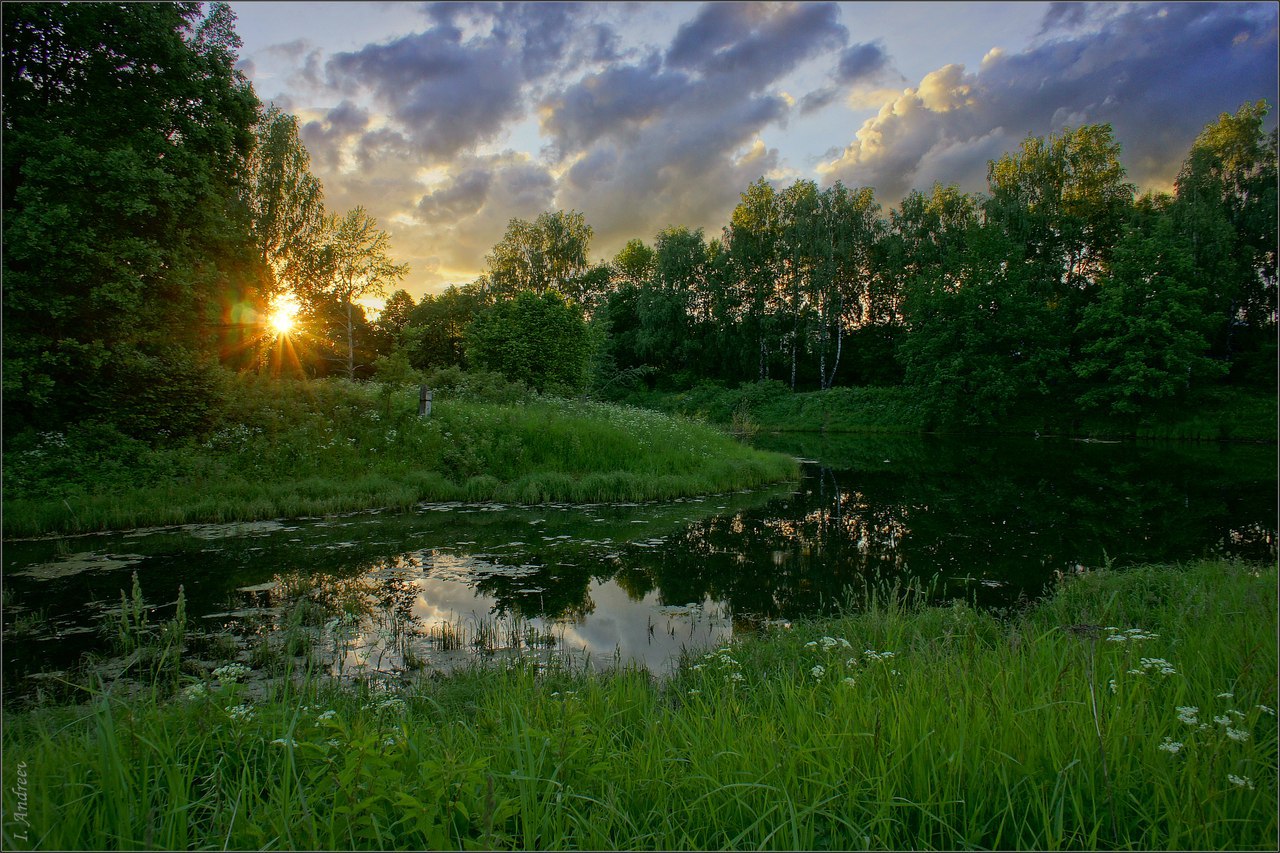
(992, 521)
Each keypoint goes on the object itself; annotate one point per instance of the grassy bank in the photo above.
(1214, 414)
(294, 449)
(1131, 710)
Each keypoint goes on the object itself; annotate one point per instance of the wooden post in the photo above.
(424, 401)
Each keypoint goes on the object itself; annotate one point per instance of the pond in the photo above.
(376, 593)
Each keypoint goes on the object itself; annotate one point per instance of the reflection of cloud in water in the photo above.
(621, 624)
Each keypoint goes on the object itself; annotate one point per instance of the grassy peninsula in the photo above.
(1129, 710)
(292, 448)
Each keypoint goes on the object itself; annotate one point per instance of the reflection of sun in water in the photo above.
(284, 312)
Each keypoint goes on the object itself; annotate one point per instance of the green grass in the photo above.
(1213, 413)
(296, 449)
(1027, 732)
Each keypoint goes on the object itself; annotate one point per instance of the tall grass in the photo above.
(894, 726)
(296, 449)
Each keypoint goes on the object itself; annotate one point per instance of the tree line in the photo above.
(154, 208)
(1058, 287)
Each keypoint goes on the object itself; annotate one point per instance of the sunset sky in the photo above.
(447, 120)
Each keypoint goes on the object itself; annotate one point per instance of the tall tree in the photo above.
(549, 253)
(1226, 207)
(126, 128)
(754, 241)
(1146, 334)
(435, 332)
(351, 263)
(285, 200)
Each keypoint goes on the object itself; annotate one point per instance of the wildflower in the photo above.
(196, 691)
(850, 681)
(818, 671)
(1264, 709)
(1171, 746)
(1130, 634)
(694, 692)
(735, 676)
(1112, 685)
(1159, 664)
(1187, 714)
(284, 741)
(1240, 781)
(1237, 714)
(1237, 735)
(327, 715)
(1226, 695)
(231, 673)
(239, 712)
(1223, 720)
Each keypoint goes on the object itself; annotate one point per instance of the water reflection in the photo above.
(992, 521)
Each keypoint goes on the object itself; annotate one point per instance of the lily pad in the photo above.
(75, 564)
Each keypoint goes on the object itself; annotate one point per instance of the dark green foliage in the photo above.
(126, 129)
(435, 330)
(1146, 333)
(540, 340)
(980, 336)
(1226, 207)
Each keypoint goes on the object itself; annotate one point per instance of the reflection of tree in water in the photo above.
(980, 513)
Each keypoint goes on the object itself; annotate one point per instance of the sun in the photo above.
(283, 316)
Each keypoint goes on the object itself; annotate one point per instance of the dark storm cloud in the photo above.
(325, 139)
(462, 197)
(860, 61)
(449, 94)
(756, 44)
(1158, 74)
(614, 101)
(673, 139)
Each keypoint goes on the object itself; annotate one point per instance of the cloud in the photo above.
(673, 138)
(860, 61)
(617, 100)
(1158, 74)
(755, 43)
(328, 137)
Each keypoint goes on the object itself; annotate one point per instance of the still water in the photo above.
(991, 521)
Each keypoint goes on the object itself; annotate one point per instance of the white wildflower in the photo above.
(284, 741)
(1237, 735)
(239, 712)
(849, 681)
(818, 671)
(1170, 746)
(1264, 709)
(231, 672)
(1112, 685)
(327, 715)
(1240, 781)
(195, 691)
(1226, 695)
(1222, 720)
(1187, 714)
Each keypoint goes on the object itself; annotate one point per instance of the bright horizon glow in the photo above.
(284, 311)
